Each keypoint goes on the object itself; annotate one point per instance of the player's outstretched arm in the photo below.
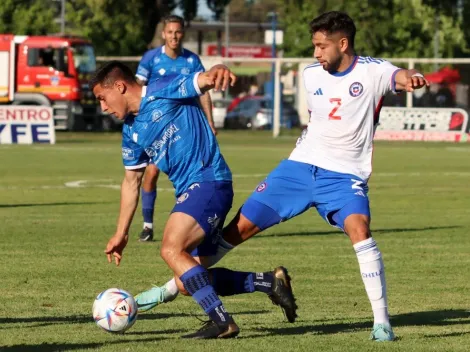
(409, 80)
(219, 77)
(129, 199)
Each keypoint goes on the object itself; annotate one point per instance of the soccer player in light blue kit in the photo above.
(164, 125)
(168, 59)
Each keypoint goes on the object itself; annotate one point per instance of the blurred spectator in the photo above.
(444, 97)
(427, 99)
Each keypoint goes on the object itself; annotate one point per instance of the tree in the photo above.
(119, 27)
(114, 27)
(251, 11)
(217, 7)
(14, 12)
(385, 28)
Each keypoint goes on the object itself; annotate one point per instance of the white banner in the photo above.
(24, 124)
(422, 124)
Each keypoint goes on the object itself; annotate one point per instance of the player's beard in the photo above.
(334, 65)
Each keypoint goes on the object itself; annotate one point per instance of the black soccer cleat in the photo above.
(146, 235)
(212, 330)
(282, 294)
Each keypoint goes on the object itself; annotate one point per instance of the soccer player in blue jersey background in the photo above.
(165, 125)
(168, 59)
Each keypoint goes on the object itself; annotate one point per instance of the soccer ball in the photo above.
(115, 310)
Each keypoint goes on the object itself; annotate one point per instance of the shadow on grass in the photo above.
(374, 231)
(56, 347)
(84, 319)
(448, 334)
(432, 318)
(49, 204)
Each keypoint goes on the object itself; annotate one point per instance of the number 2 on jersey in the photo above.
(337, 103)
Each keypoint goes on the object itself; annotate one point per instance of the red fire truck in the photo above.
(50, 71)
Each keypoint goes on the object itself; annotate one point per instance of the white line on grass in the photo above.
(459, 149)
(108, 183)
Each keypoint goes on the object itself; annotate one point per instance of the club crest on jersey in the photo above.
(182, 198)
(261, 187)
(156, 115)
(356, 89)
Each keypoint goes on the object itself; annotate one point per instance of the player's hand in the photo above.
(415, 82)
(115, 246)
(214, 130)
(219, 77)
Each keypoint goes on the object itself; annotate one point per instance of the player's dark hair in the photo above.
(173, 19)
(110, 72)
(334, 22)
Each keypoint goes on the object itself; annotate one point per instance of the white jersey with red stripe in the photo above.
(344, 111)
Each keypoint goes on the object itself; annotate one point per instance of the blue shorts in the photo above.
(293, 187)
(208, 203)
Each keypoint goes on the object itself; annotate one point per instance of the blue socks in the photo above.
(227, 282)
(196, 282)
(148, 205)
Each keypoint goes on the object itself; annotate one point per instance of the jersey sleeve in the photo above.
(198, 66)
(176, 87)
(133, 155)
(145, 67)
(384, 77)
(309, 103)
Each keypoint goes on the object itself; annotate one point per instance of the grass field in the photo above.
(58, 207)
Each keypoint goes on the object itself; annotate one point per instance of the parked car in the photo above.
(256, 113)
(219, 110)
(237, 100)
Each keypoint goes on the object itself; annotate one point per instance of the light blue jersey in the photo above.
(172, 132)
(155, 64)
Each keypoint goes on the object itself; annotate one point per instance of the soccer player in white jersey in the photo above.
(332, 162)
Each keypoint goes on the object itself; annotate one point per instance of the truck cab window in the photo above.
(48, 57)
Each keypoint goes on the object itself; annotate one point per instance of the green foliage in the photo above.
(14, 15)
(115, 27)
(385, 28)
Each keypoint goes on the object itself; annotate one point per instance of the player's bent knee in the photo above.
(259, 215)
(168, 253)
(151, 176)
(358, 233)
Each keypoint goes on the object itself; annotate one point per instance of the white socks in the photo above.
(373, 276)
(222, 249)
(171, 291)
(148, 225)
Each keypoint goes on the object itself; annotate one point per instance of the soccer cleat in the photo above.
(150, 298)
(212, 330)
(146, 235)
(282, 294)
(382, 332)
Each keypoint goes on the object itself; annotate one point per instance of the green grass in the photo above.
(52, 265)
